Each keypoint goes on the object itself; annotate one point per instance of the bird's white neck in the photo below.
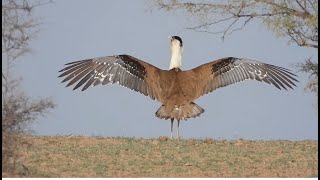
(176, 55)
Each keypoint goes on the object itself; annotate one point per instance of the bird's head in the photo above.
(176, 41)
(176, 44)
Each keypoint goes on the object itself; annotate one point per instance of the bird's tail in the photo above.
(181, 112)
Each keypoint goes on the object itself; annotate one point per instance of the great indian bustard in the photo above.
(174, 89)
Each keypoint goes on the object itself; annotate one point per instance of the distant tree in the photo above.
(19, 27)
(295, 20)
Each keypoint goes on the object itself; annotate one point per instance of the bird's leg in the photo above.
(178, 130)
(172, 119)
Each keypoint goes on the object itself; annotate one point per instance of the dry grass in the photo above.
(129, 157)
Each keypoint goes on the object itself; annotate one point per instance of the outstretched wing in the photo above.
(226, 71)
(125, 70)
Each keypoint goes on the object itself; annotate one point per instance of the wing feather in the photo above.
(226, 71)
(72, 65)
(125, 70)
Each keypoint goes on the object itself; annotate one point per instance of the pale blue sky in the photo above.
(78, 29)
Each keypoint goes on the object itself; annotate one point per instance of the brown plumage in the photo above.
(174, 89)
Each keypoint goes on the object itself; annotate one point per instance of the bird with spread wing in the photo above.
(175, 89)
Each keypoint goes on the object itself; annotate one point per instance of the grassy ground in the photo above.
(128, 157)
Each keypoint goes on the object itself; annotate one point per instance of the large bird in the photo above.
(175, 89)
